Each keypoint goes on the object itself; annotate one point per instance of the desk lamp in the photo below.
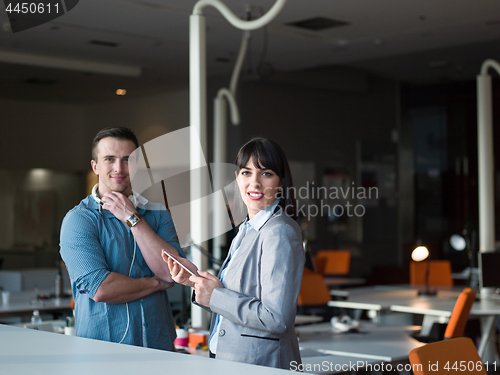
(419, 254)
(466, 242)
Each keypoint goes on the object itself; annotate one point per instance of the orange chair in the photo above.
(458, 319)
(447, 357)
(439, 273)
(460, 314)
(313, 291)
(333, 262)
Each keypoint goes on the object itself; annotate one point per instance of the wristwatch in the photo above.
(134, 219)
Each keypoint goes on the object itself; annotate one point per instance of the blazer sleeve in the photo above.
(281, 268)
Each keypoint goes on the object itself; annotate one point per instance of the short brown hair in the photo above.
(117, 133)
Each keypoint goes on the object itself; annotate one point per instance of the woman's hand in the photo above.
(179, 274)
(204, 286)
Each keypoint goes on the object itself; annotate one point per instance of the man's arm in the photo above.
(151, 245)
(148, 241)
(88, 268)
(118, 288)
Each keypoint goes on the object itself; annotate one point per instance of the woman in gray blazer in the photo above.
(254, 297)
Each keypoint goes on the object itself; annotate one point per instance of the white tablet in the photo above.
(179, 263)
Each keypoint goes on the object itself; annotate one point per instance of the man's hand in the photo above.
(119, 205)
(162, 284)
(118, 288)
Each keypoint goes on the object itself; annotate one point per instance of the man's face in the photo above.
(112, 165)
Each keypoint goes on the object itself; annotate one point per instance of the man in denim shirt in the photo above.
(111, 244)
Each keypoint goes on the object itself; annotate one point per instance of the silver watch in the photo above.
(134, 219)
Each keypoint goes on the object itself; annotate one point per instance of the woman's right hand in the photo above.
(179, 274)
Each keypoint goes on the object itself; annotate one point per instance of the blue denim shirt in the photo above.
(93, 244)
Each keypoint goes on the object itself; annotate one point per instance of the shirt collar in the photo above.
(139, 199)
(263, 216)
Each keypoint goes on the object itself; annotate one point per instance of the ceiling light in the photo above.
(70, 64)
(121, 92)
(318, 23)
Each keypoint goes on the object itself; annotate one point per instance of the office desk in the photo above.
(25, 351)
(486, 309)
(339, 282)
(307, 319)
(23, 303)
(373, 342)
(378, 299)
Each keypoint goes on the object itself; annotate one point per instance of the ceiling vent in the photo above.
(318, 23)
(104, 43)
(40, 81)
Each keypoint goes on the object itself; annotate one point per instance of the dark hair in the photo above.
(117, 133)
(266, 154)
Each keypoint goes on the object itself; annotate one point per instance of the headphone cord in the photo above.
(126, 303)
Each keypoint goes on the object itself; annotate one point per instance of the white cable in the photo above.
(234, 20)
(128, 324)
(489, 64)
(235, 114)
(126, 303)
(239, 62)
(134, 202)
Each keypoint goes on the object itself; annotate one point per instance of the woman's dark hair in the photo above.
(266, 154)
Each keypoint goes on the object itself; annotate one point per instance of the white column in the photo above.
(198, 135)
(220, 135)
(485, 164)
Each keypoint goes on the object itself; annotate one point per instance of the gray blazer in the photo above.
(260, 298)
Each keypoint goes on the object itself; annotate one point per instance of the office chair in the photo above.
(333, 262)
(447, 357)
(460, 314)
(458, 319)
(313, 295)
(439, 273)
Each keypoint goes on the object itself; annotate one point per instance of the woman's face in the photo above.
(258, 187)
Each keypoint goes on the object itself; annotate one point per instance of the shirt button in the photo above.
(222, 332)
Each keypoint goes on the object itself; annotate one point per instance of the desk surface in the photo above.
(383, 297)
(373, 342)
(22, 303)
(26, 351)
(404, 299)
(337, 282)
(442, 305)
